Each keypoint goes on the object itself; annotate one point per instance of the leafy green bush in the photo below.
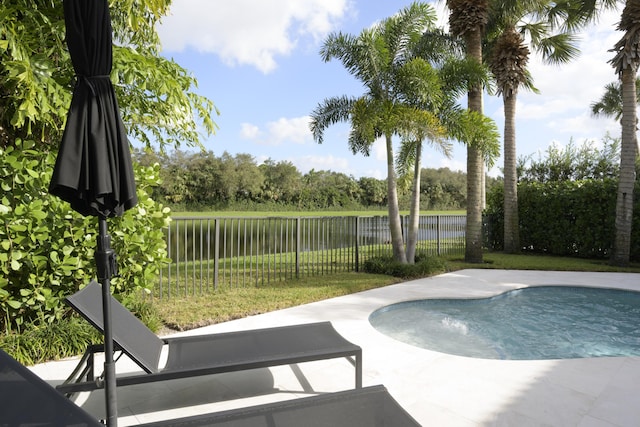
(47, 249)
(423, 266)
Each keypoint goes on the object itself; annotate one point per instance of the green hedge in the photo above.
(47, 249)
(566, 218)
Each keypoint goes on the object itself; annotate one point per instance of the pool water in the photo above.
(545, 322)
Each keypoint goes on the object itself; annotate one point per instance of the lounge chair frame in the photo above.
(202, 354)
(28, 400)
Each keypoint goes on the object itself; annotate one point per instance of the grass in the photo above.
(232, 303)
(498, 260)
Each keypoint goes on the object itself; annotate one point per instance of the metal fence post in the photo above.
(216, 253)
(357, 224)
(298, 255)
(438, 235)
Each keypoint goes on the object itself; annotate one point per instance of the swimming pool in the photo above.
(538, 322)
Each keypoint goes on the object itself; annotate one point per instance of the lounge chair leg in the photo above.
(359, 371)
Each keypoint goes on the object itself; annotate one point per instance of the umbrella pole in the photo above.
(105, 263)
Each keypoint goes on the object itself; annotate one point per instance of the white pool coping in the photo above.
(437, 389)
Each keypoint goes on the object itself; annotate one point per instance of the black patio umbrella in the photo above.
(93, 170)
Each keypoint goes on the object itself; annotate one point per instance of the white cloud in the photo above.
(281, 131)
(293, 130)
(585, 126)
(334, 164)
(248, 32)
(379, 173)
(453, 164)
(379, 150)
(249, 131)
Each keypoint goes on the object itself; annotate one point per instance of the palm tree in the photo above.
(445, 79)
(626, 61)
(510, 23)
(428, 128)
(376, 58)
(420, 85)
(467, 19)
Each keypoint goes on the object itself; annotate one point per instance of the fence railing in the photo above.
(209, 252)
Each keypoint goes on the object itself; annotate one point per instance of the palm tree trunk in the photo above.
(473, 234)
(483, 186)
(395, 226)
(511, 228)
(414, 213)
(628, 154)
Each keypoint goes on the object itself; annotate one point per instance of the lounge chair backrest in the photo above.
(129, 333)
(27, 400)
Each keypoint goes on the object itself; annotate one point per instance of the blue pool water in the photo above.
(546, 322)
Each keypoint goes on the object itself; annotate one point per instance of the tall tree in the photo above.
(625, 62)
(281, 181)
(375, 58)
(511, 23)
(467, 19)
(157, 97)
(410, 155)
(445, 78)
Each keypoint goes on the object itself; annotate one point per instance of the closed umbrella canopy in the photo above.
(93, 170)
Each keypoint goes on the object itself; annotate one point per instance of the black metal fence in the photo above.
(209, 252)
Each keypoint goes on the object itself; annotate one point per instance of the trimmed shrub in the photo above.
(564, 218)
(423, 266)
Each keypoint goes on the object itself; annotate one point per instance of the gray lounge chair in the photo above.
(202, 354)
(27, 400)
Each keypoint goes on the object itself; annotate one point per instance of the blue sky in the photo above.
(258, 62)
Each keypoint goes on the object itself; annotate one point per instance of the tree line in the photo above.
(200, 180)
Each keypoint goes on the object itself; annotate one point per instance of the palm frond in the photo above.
(406, 157)
(458, 76)
(473, 128)
(610, 104)
(437, 46)
(418, 83)
(559, 48)
(403, 30)
(329, 112)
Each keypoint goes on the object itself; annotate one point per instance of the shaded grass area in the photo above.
(225, 304)
(498, 260)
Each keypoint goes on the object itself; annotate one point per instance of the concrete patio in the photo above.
(437, 389)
